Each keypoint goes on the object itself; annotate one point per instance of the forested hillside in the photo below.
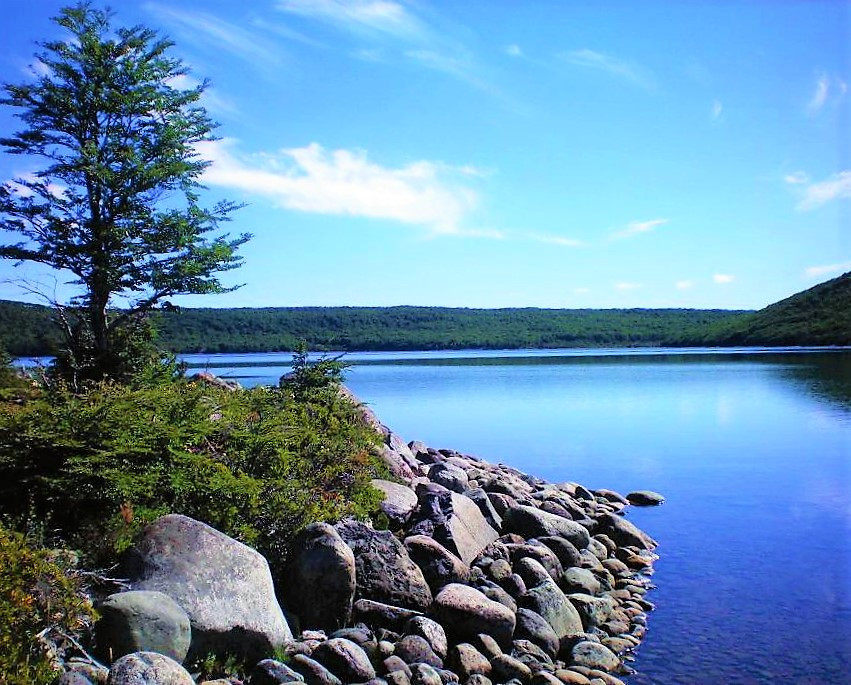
(26, 329)
(818, 316)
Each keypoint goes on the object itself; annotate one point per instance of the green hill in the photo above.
(818, 316)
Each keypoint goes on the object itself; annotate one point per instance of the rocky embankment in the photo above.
(479, 574)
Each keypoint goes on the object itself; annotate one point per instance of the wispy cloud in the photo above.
(816, 271)
(628, 71)
(513, 50)
(624, 286)
(550, 239)
(684, 285)
(210, 32)
(836, 187)
(717, 110)
(382, 17)
(210, 98)
(826, 88)
(796, 178)
(14, 185)
(346, 183)
(723, 279)
(635, 228)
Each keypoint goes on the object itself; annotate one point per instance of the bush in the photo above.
(35, 594)
(257, 464)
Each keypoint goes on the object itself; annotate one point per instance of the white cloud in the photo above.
(796, 178)
(637, 227)
(717, 110)
(513, 50)
(372, 16)
(210, 99)
(723, 278)
(626, 286)
(684, 285)
(211, 32)
(827, 88)
(55, 189)
(345, 182)
(554, 239)
(815, 271)
(581, 291)
(836, 187)
(628, 71)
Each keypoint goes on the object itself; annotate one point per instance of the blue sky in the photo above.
(496, 154)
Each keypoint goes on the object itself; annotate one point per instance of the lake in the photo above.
(752, 449)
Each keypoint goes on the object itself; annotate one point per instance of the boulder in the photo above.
(595, 611)
(465, 612)
(624, 532)
(345, 659)
(453, 520)
(380, 615)
(540, 553)
(466, 660)
(319, 585)
(449, 476)
(148, 668)
(594, 655)
(566, 551)
(312, 671)
(399, 501)
(271, 672)
(533, 627)
(423, 674)
(531, 522)
(577, 579)
(384, 571)
(645, 498)
(547, 600)
(482, 501)
(224, 586)
(142, 621)
(395, 463)
(505, 668)
(439, 566)
(415, 649)
(432, 631)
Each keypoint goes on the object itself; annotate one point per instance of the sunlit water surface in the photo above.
(752, 449)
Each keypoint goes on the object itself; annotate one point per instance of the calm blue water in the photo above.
(751, 447)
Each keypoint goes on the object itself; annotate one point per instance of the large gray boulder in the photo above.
(320, 582)
(465, 613)
(384, 571)
(439, 566)
(345, 659)
(224, 586)
(148, 668)
(399, 501)
(547, 600)
(624, 532)
(142, 621)
(449, 476)
(453, 520)
(531, 522)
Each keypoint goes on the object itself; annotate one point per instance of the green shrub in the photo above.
(257, 464)
(35, 593)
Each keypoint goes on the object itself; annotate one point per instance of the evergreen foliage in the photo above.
(116, 201)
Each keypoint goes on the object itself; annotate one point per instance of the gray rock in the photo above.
(531, 522)
(595, 611)
(482, 501)
(493, 591)
(271, 672)
(399, 501)
(345, 659)
(224, 586)
(423, 674)
(396, 463)
(439, 566)
(453, 520)
(142, 621)
(380, 615)
(466, 660)
(579, 580)
(533, 627)
(384, 571)
(553, 605)
(531, 572)
(594, 655)
(398, 678)
(478, 679)
(530, 654)
(449, 476)
(312, 671)
(541, 553)
(432, 631)
(624, 532)
(148, 668)
(611, 495)
(73, 678)
(415, 649)
(97, 674)
(465, 612)
(505, 668)
(645, 498)
(395, 663)
(319, 584)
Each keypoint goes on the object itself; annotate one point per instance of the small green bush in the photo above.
(35, 594)
(257, 464)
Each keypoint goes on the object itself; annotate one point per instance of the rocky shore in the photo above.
(475, 573)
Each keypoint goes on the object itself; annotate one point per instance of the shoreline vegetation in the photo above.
(820, 316)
